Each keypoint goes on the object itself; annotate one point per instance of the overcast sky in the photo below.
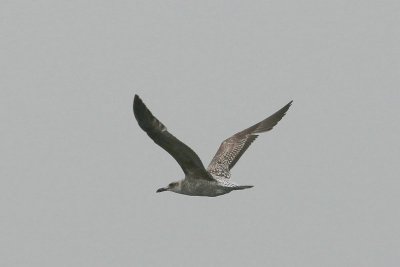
(78, 176)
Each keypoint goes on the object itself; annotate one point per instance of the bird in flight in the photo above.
(199, 181)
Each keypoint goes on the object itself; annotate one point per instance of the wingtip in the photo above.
(144, 116)
(288, 105)
(136, 99)
(138, 105)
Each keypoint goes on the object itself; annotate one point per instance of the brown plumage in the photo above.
(233, 148)
(198, 181)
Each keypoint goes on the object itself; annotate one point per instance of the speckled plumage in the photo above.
(198, 181)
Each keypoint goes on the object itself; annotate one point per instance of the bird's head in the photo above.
(174, 187)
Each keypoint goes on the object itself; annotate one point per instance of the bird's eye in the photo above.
(172, 184)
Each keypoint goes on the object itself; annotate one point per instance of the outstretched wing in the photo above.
(233, 148)
(184, 155)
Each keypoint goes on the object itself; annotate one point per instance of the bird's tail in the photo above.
(241, 187)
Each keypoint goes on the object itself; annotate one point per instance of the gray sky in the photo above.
(78, 176)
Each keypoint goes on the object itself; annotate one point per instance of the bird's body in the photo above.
(200, 187)
(199, 181)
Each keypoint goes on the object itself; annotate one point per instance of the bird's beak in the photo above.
(162, 189)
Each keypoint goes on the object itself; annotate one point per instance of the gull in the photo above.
(199, 181)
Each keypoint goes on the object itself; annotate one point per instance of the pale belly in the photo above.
(204, 188)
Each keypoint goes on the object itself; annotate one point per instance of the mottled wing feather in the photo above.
(233, 148)
(184, 155)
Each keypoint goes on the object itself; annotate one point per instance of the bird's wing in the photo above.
(184, 155)
(233, 148)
